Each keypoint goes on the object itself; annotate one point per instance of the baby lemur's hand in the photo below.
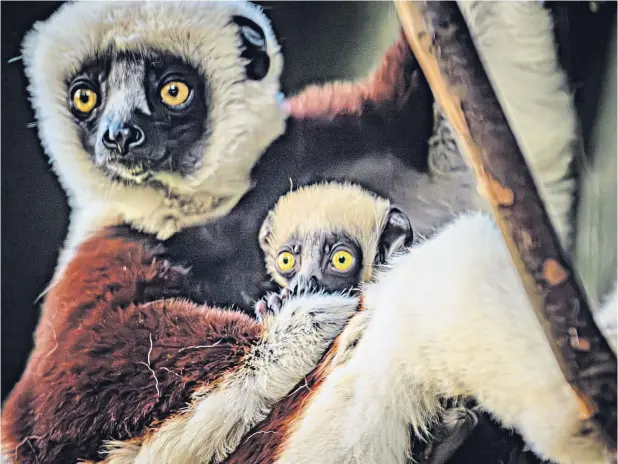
(270, 304)
(273, 302)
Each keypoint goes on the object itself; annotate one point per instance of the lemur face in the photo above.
(140, 113)
(331, 261)
(179, 97)
(143, 112)
(331, 235)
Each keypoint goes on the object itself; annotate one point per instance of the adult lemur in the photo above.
(154, 115)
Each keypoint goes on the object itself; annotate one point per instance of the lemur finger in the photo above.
(286, 293)
(261, 309)
(302, 286)
(274, 303)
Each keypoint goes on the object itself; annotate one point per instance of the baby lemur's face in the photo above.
(332, 261)
(331, 235)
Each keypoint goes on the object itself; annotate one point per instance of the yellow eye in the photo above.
(84, 100)
(175, 93)
(342, 260)
(286, 261)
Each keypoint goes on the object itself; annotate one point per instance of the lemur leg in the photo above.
(459, 323)
(449, 319)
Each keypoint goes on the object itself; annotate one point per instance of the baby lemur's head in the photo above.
(331, 234)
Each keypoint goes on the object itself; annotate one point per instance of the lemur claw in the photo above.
(302, 286)
(270, 304)
(273, 302)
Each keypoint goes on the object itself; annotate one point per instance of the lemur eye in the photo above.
(342, 260)
(175, 94)
(84, 99)
(286, 261)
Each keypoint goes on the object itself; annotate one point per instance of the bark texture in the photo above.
(442, 44)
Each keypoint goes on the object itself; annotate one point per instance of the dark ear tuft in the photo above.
(396, 235)
(254, 48)
(266, 231)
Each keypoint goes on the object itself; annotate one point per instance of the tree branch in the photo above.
(440, 39)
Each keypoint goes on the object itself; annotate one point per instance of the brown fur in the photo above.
(265, 441)
(387, 84)
(87, 379)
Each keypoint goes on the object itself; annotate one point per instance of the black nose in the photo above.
(123, 138)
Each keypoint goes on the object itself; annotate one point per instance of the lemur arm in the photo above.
(113, 372)
(388, 112)
(389, 82)
(449, 318)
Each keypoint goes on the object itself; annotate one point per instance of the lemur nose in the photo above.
(122, 138)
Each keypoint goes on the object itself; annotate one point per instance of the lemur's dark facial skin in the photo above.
(144, 112)
(332, 262)
(140, 113)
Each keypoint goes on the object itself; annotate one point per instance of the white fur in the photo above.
(515, 41)
(606, 319)
(449, 318)
(245, 116)
(220, 416)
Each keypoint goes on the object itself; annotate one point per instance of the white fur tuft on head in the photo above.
(245, 115)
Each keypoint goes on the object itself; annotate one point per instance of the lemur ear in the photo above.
(266, 231)
(396, 235)
(254, 48)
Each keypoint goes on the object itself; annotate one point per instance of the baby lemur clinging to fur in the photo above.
(331, 237)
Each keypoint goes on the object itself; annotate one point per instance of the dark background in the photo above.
(321, 41)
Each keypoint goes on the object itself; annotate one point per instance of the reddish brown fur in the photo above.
(265, 441)
(87, 379)
(387, 84)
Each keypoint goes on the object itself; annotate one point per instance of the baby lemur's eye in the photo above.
(286, 261)
(84, 98)
(342, 260)
(175, 94)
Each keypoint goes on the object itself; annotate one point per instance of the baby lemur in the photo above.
(331, 236)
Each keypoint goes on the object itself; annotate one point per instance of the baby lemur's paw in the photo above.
(298, 328)
(302, 286)
(272, 303)
(269, 305)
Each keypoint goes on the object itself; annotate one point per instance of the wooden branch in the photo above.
(440, 39)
